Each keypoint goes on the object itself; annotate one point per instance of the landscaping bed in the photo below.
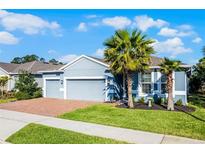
(145, 106)
(190, 125)
(40, 134)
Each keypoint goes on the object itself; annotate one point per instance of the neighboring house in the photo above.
(12, 71)
(88, 78)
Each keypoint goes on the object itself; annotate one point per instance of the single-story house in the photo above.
(12, 70)
(89, 78)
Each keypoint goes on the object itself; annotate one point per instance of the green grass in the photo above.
(39, 134)
(166, 122)
(197, 99)
(7, 100)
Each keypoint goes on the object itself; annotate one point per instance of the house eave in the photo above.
(52, 71)
(4, 70)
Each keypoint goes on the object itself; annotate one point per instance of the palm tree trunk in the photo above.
(124, 91)
(170, 105)
(129, 87)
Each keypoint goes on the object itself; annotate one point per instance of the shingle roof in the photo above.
(9, 67)
(155, 61)
(32, 67)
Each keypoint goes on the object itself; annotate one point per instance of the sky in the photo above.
(66, 34)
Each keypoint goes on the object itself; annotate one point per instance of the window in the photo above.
(163, 84)
(155, 86)
(146, 88)
(163, 88)
(146, 83)
(163, 78)
(146, 77)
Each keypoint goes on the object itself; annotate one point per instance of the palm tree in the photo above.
(127, 52)
(167, 67)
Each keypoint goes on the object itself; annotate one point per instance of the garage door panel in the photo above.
(53, 88)
(93, 90)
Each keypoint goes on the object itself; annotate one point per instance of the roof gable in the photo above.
(87, 57)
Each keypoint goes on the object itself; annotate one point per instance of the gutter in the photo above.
(53, 71)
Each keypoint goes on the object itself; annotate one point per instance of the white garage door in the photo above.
(53, 88)
(86, 89)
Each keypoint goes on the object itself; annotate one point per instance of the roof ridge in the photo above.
(29, 68)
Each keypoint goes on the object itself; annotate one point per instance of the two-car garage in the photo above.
(77, 89)
(81, 79)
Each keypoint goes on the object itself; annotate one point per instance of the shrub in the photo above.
(158, 101)
(179, 102)
(163, 100)
(21, 95)
(26, 86)
(37, 93)
(141, 100)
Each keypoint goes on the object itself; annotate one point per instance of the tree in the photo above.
(30, 58)
(53, 61)
(167, 67)
(42, 60)
(17, 60)
(26, 86)
(128, 52)
(25, 59)
(197, 80)
(3, 82)
(33, 57)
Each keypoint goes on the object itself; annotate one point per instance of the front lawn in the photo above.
(7, 100)
(165, 122)
(40, 134)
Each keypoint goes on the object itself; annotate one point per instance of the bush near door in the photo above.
(26, 86)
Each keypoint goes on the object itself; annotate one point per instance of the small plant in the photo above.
(141, 100)
(158, 101)
(3, 82)
(179, 102)
(22, 95)
(37, 93)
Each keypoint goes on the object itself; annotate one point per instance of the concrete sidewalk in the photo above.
(12, 121)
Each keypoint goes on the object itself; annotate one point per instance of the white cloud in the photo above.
(118, 22)
(173, 46)
(68, 58)
(197, 40)
(169, 32)
(145, 22)
(82, 27)
(184, 27)
(29, 24)
(91, 16)
(99, 52)
(52, 51)
(8, 38)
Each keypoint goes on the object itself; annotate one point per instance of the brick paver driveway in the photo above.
(45, 106)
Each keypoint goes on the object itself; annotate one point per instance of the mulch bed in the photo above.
(158, 107)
